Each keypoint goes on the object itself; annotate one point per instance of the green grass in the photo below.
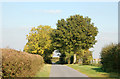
(92, 71)
(44, 72)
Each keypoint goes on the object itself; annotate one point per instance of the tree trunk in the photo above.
(74, 59)
(68, 61)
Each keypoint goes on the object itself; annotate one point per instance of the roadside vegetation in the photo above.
(109, 66)
(92, 71)
(0, 64)
(45, 71)
(110, 58)
(20, 64)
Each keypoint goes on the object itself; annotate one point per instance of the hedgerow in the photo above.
(20, 64)
(110, 58)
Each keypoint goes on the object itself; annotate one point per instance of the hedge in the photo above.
(20, 64)
(0, 65)
(110, 58)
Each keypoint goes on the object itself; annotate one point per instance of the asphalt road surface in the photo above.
(64, 71)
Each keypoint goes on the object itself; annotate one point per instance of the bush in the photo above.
(0, 65)
(20, 64)
(110, 58)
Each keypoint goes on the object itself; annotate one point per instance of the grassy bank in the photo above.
(45, 71)
(92, 71)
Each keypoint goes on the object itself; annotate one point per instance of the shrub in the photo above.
(0, 65)
(110, 58)
(20, 64)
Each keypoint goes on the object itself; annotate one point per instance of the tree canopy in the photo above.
(73, 34)
(39, 41)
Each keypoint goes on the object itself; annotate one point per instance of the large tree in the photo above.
(39, 41)
(73, 34)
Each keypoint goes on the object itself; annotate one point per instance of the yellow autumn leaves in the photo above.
(38, 40)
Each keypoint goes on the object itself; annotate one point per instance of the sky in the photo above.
(19, 17)
(59, 0)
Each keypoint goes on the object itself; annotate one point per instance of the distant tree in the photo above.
(87, 57)
(84, 57)
(79, 56)
(39, 41)
(73, 34)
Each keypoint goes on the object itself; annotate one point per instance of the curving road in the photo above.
(65, 71)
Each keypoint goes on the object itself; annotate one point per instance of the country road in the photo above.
(64, 71)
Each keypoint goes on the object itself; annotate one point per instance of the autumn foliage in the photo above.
(20, 64)
(39, 42)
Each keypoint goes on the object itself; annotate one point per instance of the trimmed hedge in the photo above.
(20, 64)
(0, 65)
(110, 58)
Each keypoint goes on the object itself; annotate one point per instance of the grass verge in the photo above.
(92, 71)
(45, 71)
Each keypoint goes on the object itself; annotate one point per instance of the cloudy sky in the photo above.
(19, 17)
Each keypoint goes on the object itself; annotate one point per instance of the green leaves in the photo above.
(110, 58)
(74, 33)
